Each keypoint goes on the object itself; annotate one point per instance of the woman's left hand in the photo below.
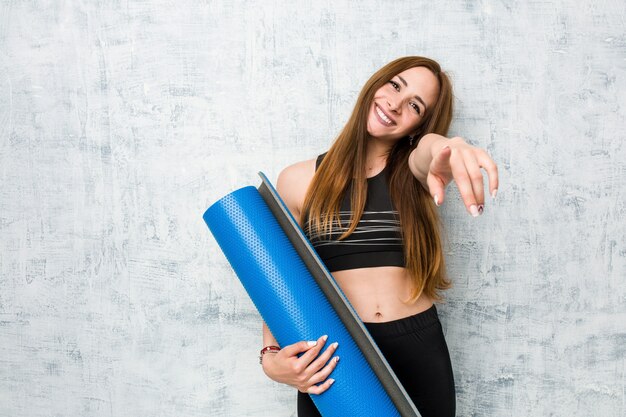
(461, 162)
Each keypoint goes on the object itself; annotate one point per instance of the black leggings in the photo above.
(417, 352)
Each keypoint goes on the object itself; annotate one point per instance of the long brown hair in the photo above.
(345, 161)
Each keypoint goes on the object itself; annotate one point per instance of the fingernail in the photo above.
(437, 200)
(324, 337)
(493, 195)
(330, 381)
(474, 210)
(335, 345)
(312, 342)
(336, 359)
(447, 146)
(481, 208)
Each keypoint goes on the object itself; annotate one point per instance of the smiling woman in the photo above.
(399, 105)
(369, 207)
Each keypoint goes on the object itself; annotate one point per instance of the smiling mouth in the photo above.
(382, 116)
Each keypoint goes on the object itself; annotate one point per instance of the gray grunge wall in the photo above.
(122, 121)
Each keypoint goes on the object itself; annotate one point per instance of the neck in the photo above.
(376, 151)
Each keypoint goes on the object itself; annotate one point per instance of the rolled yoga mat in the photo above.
(300, 300)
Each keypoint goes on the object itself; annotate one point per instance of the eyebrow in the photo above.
(418, 98)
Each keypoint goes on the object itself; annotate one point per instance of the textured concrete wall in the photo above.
(120, 122)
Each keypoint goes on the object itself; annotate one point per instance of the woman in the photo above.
(368, 206)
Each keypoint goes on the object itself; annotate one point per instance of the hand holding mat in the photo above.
(299, 300)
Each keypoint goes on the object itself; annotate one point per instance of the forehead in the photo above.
(421, 81)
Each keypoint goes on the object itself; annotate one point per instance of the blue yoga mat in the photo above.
(299, 300)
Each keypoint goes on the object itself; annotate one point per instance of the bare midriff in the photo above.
(377, 294)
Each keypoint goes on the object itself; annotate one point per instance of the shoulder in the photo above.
(298, 172)
(293, 183)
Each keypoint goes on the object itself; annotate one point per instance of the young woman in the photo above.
(369, 207)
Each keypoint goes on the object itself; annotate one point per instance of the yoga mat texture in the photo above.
(256, 232)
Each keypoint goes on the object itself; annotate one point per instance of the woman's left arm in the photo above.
(437, 160)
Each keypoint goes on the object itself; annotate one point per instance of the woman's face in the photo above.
(400, 104)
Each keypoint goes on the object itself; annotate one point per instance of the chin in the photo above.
(374, 129)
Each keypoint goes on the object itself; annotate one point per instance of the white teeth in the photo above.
(382, 116)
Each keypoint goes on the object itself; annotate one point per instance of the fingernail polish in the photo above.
(493, 195)
(331, 381)
(474, 210)
(480, 209)
(336, 359)
(437, 200)
(312, 342)
(335, 345)
(324, 337)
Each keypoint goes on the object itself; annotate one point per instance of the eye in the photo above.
(417, 108)
(395, 85)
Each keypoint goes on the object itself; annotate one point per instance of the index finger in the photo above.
(492, 171)
(464, 184)
(302, 346)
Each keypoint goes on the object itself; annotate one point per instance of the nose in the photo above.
(393, 105)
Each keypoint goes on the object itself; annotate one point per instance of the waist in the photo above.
(381, 294)
(403, 325)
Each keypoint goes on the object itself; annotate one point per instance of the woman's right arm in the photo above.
(286, 366)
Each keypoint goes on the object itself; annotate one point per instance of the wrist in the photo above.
(422, 156)
(267, 349)
(267, 363)
(437, 143)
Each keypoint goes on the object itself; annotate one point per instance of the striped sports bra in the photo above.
(377, 240)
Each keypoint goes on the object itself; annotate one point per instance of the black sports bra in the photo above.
(377, 240)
